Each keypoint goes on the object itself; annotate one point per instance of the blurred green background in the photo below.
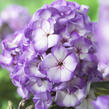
(7, 90)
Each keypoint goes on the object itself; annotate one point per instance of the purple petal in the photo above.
(66, 75)
(49, 61)
(86, 104)
(23, 92)
(102, 102)
(6, 59)
(13, 42)
(46, 27)
(60, 53)
(70, 62)
(40, 40)
(54, 74)
(40, 86)
(63, 98)
(33, 71)
(45, 14)
(53, 40)
(42, 101)
(17, 17)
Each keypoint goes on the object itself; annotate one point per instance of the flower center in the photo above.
(60, 63)
(78, 51)
(64, 40)
(48, 35)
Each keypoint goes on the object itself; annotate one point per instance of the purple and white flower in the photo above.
(64, 98)
(39, 86)
(13, 18)
(59, 66)
(101, 102)
(17, 17)
(53, 57)
(44, 37)
(102, 38)
(87, 102)
(42, 101)
(81, 46)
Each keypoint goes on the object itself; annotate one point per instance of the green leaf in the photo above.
(4, 74)
(101, 88)
(8, 92)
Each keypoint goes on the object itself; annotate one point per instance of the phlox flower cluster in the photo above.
(53, 58)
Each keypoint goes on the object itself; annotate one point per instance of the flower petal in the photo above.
(42, 101)
(23, 92)
(45, 14)
(66, 75)
(86, 104)
(13, 42)
(42, 87)
(6, 60)
(102, 102)
(32, 71)
(70, 62)
(60, 53)
(49, 61)
(46, 26)
(38, 34)
(63, 98)
(52, 40)
(40, 40)
(41, 45)
(54, 74)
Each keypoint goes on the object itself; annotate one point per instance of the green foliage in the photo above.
(101, 88)
(7, 90)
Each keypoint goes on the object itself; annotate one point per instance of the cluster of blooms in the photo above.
(102, 37)
(12, 19)
(54, 57)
